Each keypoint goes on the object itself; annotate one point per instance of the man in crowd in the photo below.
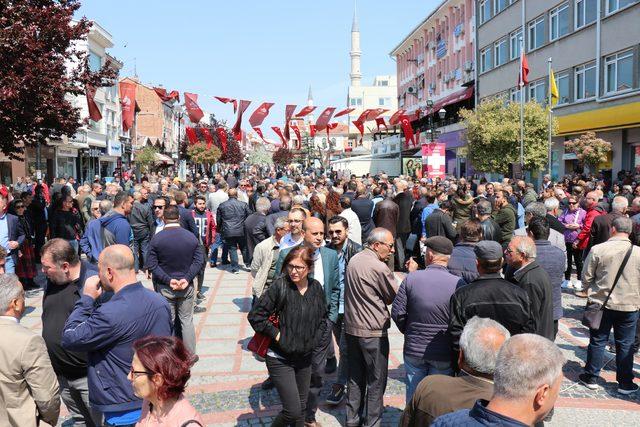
(158, 206)
(186, 215)
(116, 229)
(28, 384)
(438, 395)
(12, 234)
(462, 262)
(604, 269)
(91, 242)
(593, 211)
(66, 276)
(96, 194)
(283, 211)
(346, 249)
(107, 332)
(504, 215)
(206, 225)
(141, 221)
(363, 207)
(173, 271)
(552, 205)
(265, 256)
(371, 287)
(421, 312)
(355, 227)
(439, 222)
(527, 380)
(404, 200)
(490, 229)
(601, 227)
(295, 236)
(230, 220)
(219, 196)
(538, 210)
(255, 230)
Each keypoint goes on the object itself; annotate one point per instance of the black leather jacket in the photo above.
(352, 248)
(230, 217)
(491, 230)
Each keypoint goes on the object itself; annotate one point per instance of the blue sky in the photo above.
(256, 50)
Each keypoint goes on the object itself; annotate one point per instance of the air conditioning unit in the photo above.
(412, 90)
(468, 66)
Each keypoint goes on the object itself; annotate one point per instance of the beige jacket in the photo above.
(600, 269)
(28, 386)
(260, 264)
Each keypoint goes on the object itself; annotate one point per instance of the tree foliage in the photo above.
(199, 153)
(589, 150)
(145, 158)
(493, 135)
(37, 44)
(233, 154)
(282, 156)
(259, 156)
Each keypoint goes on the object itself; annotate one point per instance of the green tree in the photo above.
(493, 135)
(199, 153)
(259, 156)
(589, 150)
(145, 157)
(282, 156)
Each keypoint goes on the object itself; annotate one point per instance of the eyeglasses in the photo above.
(19, 207)
(136, 374)
(573, 202)
(158, 207)
(95, 209)
(389, 245)
(297, 268)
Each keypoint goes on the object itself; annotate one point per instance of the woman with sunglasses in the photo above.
(159, 373)
(300, 305)
(26, 266)
(573, 220)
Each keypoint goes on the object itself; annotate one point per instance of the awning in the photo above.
(455, 97)
(164, 160)
(600, 119)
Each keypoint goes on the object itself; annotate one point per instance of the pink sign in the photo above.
(433, 160)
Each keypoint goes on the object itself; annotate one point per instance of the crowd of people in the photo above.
(483, 267)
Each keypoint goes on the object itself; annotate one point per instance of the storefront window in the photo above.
(66, 166)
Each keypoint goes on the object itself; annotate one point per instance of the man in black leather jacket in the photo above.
(490, 229)
(230, 222)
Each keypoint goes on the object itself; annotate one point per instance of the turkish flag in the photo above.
(94, 110)
(241, 109)
(296, 130)
(278, 132)
(191, 135)
(324, 118)
(127, 104)
(360, 127)
(259, 115)
(207, 136)
(162, 93)
(380, 122)
(259, 132)
(395, 118)
(375, 113)
(523, 76)
(305, 111)
(193, 109)
(330, 127)
(227, 100)
(222, 136)
(407, 129)
(312, 130)
(363, 116)
(344, 112)
(288, 113)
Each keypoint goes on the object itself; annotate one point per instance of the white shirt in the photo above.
(215, 199)
(288, 242)
(318, 271)
(355, 229)
(10, 317)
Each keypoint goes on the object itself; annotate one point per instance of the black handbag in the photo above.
(592, 316)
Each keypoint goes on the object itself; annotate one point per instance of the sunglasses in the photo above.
(19, 207)
(158, 207)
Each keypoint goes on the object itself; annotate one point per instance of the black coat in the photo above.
(493, 297)
(255, 231)
(439, 224)
(462, 261)
(416, 216)
(187, 222)
(404, 201)
(363, 207)
(491, 230)
(533, 279)
(231, 216)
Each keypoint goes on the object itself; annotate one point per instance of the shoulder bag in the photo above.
(259, 343)
(592, 316)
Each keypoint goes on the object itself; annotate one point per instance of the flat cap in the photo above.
(440, 244)
(488, 250)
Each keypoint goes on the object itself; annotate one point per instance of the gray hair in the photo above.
(622, 224)
(526, 362)
(10, 289)
(376, 235)
(298, 199)
(526, 246)
(619, 204)
(478, 343)
(536, 209)
(263, 205)
(105, 206)
(551, 204)
(281, 222)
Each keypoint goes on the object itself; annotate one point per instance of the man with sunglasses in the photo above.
(158, 215)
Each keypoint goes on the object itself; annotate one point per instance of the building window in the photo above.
(95, 62)
(562, 82)
(500, 51)
(613, 5)
(514, 94)
(586, 12)
(585, 81)
(537, 91)
(619, 72)
(485, 11)
(536, 33)
(384, 101)
(559, 21)
(500, 5)
(356, 102)
(384, 82)
(486, 61)
(514, 44)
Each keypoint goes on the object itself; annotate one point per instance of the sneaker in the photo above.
(234, 270)
(212, 264)
(332, 365)
(197, 310)
(267, 384)
(588, 381)
(566, 284)
(337, 395)
(200, 296)
(628, 389)
(577, 284)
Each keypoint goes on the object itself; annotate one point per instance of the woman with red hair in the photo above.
(159, 373)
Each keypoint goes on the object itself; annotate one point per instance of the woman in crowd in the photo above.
(300, 305)
(159, 373)
(462, 202)
(317, 208)
(67, 224)
(26, 268)
(573, 220)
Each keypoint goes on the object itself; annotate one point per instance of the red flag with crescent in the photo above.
(330, 127)
(278, 132)
(344, 112)
(242, 107)
(324, 118)
(380, 122)
(193, 109)
(375, 113)
(94, 110)
(312, 130)
(259, 132)
(259, 115)
(222, 136)
(207, 136)
(306, 110)
(288, 113)
(127, 103)
(296, 130)
(363, 116)
(395, 118)
(166, 97)
(228, 100)
(360, 127)
(191, 135)
(407, 129)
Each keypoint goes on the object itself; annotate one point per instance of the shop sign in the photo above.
(67, 152)
(114, 148)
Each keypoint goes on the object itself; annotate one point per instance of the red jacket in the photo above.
(583, 236)
(210, 233)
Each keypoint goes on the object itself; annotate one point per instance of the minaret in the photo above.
(355, 53)
(310, 117)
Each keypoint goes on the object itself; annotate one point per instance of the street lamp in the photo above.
(442, 113)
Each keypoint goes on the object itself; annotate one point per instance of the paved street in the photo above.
(225, 383)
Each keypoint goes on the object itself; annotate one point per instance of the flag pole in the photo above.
(521, 107)
(550, 105)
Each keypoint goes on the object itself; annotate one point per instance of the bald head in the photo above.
(313, 229)
(117, 257)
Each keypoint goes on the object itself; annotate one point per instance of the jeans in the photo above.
(624, 332)
(416, 369)
(140, 248)
(576, 255)
(343, 363)
(233, 243)
(368, 368)
(181, 304)
(214, 250)
(291, 379)
(75, 395)
(9, 265)
(200, 276)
